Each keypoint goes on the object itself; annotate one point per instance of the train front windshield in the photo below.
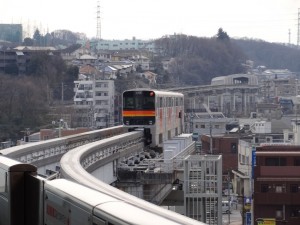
(139, 108)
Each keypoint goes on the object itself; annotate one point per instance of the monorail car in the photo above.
(69, 203)
(160, 113)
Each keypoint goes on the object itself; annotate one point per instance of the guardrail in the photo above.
(50, 151)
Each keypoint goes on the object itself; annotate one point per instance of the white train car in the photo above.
(69, 203)
(160, 113)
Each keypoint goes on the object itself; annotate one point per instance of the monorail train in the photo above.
(160, 113)
(69, 203)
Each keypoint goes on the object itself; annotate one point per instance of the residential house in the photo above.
(150, 76)
(87, 59)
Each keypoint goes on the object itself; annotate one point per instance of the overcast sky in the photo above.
(269, 20)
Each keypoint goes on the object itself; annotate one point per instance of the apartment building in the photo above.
(19, 57)
(277, 184)
(133, 44)
(94, 102)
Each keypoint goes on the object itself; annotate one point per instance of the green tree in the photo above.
(71, 73)
(28, 41)
(222, 35)
(37, 37)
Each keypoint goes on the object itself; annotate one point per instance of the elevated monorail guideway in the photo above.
(74, 168)
(61, 201)
(27, 199)
(46, 154)
(43, 200)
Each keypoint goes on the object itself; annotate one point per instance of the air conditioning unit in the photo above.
(269, 139)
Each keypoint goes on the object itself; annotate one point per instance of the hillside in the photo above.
(198, 60)
(271, 55)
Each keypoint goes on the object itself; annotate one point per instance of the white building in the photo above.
(242, 176)
(133, 44)
(94, 102)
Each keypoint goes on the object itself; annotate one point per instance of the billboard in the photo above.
(266, 221)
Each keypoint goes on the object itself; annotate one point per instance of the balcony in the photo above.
(278, 171)
(285, 198)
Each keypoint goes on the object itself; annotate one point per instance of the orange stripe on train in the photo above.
(139, 113)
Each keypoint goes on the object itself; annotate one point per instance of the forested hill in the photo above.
(198, 60)
(271, 55)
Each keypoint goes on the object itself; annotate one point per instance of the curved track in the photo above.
(83, 153)
(72, 169)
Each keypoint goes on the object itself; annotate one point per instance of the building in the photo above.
(274, 135)
(277, 184)
(94, 102)
(11, 32)
(203, 188)
(133, 44)
(275, 88)
(19, 57)
(204, 123)
(260, 133)
(225, 145)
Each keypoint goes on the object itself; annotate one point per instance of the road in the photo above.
(235, 217)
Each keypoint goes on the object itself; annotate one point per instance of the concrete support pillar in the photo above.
(208, 101)
(222, 102)
(232, 104)
(245, 99)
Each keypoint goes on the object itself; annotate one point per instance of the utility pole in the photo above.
(60, 126)
(289, 37)
(191, 123)
(210, 137)
(228, 189)
(62, 93)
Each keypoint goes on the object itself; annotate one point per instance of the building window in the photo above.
(295, 212)
(278, 189)
(202, 126)
(297, 161)
(276, 161)
(294, 188)
(278, 213)
(243, 159)
(233, 148)
(264, 188)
